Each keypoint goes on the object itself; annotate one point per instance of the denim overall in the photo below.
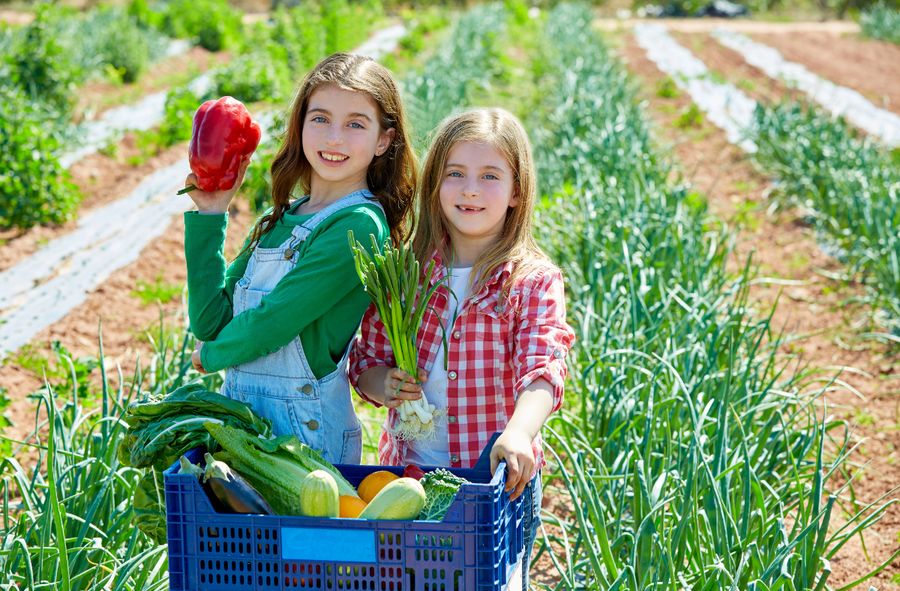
(281, 386)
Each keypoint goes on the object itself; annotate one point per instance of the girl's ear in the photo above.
(514, 200)
(384, 141)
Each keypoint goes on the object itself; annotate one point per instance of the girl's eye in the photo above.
(318, 119)
(356, 125)
(455, 174)
(491, 177)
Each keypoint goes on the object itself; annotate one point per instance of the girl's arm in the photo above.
(325, 275)
(542, 341)
(209, 285)
(372, 368)
(533, 407)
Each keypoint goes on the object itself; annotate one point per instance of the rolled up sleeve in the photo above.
(543, 337)
(371, 348)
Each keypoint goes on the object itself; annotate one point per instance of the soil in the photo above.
(705, 25)
(870, 67)
(821, 316)
(729, 64)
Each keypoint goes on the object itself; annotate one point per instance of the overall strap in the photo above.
(361, 197)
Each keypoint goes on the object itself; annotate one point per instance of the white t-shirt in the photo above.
(436, 452)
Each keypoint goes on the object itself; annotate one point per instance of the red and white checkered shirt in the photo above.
(495, 350)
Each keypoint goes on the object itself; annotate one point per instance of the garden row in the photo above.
(686, 445)
(850, 188)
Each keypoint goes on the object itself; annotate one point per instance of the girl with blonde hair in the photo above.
(493, 342)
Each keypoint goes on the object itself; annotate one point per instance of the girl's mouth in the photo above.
(469, 208)
(332, 157)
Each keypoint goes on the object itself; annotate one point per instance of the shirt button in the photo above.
(558, 354)
(313, 425)
(451, 418)
(451, 375)
(454, 458)
(498, 308)
(456, 334)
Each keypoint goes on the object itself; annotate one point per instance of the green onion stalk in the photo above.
(391, 278)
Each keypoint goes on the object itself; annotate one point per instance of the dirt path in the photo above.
(870, 67)
(819, 313)
(103, 179)
(704, 25)
(731, 66)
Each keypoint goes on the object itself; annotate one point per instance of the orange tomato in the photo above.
(351, 506)
(373, 483)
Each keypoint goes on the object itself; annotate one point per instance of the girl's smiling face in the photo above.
(476, 191)
(341, 136)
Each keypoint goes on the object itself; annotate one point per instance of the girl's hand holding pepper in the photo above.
(216, 201)
(399, 387)
(514, 446)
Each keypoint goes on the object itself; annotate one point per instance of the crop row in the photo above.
(686, 445)
(849, 187)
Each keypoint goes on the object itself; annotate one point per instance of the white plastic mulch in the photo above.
(44, 287)
(839, 100)
(723, 103)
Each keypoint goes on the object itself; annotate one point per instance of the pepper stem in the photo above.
(187, 189)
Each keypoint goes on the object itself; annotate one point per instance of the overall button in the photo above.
(305, 389)
(313, 425)
(288, 253)
(451, 375)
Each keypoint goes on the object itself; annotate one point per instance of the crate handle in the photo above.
(484, 460)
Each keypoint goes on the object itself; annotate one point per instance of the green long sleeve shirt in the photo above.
(321, 299)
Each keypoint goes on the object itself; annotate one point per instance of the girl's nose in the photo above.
(333, 136)
(470, 189)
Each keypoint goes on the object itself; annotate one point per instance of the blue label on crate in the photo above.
(328, 545)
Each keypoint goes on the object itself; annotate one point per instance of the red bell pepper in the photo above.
(223, 134)
(413, 471)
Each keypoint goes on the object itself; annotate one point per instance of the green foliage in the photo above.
(256, 76)
(211, 24)
(178, 119)
(125, 48)
(691, 117)
(440, 487)
(156, 292)
(666, 88)
(881, 21)
(34, 188)
(850, 185)
(41, 65)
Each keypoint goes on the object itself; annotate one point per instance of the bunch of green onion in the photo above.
(391, 278)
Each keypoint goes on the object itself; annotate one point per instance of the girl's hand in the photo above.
(514, 446)
(216, 201)
(195, 358)
(399, 386)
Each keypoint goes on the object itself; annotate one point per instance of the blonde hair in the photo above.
(503, 131)
(391, 176)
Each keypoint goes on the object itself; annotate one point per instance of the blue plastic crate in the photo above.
(475, 548)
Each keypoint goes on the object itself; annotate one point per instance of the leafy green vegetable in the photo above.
(275, 467)
(150, 506)
(161, 430)
(440, 487)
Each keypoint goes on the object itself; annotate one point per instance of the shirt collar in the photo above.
(498, 276)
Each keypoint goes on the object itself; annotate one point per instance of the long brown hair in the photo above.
(391, 176)
(498, 128)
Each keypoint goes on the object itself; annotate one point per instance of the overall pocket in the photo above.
(351, 452)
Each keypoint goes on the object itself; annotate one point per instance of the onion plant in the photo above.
(401, 294)
(693, 458)
(848, 185)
